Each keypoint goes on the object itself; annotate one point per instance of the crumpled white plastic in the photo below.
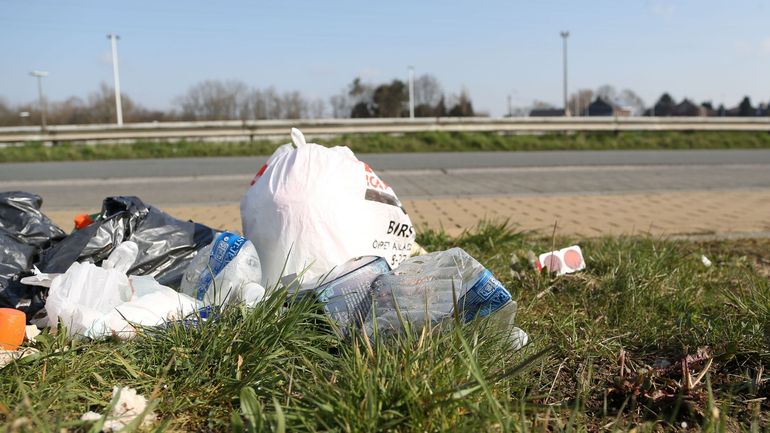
(100, 301)
(129, 406)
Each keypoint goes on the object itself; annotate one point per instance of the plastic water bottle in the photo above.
(424, 289)
(226, 270)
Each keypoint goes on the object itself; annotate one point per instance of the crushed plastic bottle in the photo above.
(424, 288)
(226, 270)
(346, 292)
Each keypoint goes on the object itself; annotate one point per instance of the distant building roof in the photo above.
(600, 107)
(688, 108)
(547, 112)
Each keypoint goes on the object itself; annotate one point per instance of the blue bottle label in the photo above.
(226, 247)
(484, 298)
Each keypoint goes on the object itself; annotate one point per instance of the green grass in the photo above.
(642, 302)
(417, 142)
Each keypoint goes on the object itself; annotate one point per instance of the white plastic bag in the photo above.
(83, 294)
(98, 301)
(315, 207)
(152, 304)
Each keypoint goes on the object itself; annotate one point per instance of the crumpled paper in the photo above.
(30, 333)
(129, 406)
(8, 356)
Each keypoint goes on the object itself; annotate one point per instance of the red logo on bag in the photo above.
(372, 180)
(259, 174)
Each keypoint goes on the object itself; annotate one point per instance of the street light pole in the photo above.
(116, 77)
(43, 106)
(511, 95)
(411, 92)
(564, 36)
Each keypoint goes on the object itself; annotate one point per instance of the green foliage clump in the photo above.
(385, 143)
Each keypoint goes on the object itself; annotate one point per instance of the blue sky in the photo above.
(704, 50)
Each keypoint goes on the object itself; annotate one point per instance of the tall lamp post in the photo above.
(564, 36)
(43, 106)
(116, 77)
(510, 101)
(411, 92)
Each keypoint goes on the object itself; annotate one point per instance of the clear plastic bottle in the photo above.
(424, 288)
(226, 270)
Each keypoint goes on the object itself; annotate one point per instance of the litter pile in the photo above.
(315, 220)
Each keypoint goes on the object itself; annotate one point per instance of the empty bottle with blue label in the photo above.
(424, 289)
(227, 270)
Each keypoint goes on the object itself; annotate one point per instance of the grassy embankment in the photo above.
(620, 338)
(417, 142)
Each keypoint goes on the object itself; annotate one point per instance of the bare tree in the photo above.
(629, 98)
(463, 106)
(294, 106)
(254, 106)
(8, 115)
(316, 109)
(214, 100)
(361, 99)
(579, 102)
(538, 104)
(607, 93)
(341, 105)
(427, 90)
(269, 104)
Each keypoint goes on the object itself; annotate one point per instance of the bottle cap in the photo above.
(12, 323)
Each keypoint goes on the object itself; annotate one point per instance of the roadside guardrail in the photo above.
(260, 129)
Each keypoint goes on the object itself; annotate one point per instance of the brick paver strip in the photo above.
(658, 213)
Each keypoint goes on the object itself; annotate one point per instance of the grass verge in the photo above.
(621, 340)
(417, 142)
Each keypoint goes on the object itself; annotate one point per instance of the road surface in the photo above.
(202, 181)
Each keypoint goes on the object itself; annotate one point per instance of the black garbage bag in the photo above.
(17, 257)
(24, 231)
(21, 217)
(166, 244)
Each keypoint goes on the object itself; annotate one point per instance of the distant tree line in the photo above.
(236, 100)
(667, 106)
(361, 100)
(98, 107)
(628, 103)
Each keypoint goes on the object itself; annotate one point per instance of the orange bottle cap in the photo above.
(12, 324)
(83, 220)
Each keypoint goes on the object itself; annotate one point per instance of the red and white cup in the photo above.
(564, 261)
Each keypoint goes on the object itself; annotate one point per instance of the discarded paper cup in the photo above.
(12, 323)
(563, 261)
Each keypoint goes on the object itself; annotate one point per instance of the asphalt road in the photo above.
(83, 185)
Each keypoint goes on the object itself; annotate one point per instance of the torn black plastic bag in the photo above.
(24, 231)
(20, 217)
(166, 244)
